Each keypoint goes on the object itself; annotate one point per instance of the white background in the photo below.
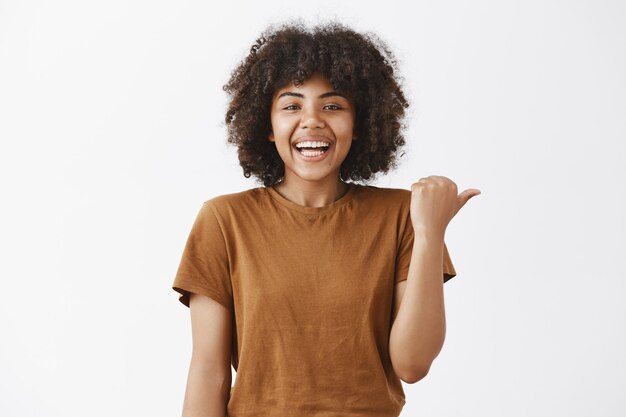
(111, 121)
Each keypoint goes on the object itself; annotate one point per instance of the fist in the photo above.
(434, 202)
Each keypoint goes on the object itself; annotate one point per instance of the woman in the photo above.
(312, 287)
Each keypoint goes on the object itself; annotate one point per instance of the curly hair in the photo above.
(360, 65)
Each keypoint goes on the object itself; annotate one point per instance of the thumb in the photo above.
(466, 195)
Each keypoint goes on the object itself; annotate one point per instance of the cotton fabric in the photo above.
(311, 294)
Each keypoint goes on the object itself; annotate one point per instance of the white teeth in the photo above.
(311, 153)
(311, 144)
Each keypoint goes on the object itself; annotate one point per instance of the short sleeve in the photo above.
(448, 267)
(405, 251)
(204, 266)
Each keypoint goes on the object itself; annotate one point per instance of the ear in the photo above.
(270, 137)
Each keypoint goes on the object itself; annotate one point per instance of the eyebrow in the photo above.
(329, 94)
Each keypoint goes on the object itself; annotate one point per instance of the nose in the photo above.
(311, 119)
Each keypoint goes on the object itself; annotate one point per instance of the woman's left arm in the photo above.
(419, 325)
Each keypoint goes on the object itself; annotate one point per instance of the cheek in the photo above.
(280, 125)
(345, 130)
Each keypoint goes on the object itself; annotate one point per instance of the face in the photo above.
(311, 115)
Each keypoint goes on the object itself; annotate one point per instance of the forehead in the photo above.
(315, 83)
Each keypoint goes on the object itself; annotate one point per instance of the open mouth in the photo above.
(312, 149)
(312, 152)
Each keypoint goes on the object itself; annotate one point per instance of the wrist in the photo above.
(428, 235)
(427, 242)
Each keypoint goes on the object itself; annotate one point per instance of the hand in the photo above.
(434, 202)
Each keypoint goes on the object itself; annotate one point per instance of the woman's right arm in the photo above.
(209, 379)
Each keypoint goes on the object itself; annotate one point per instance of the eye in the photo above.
(336, 107)
(291, 105)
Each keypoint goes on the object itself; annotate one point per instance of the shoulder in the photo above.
(385, 191)
(386, 195)
(241, 204)
(392, 205)
(235, 200)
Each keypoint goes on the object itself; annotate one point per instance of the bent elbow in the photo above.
(415, 375)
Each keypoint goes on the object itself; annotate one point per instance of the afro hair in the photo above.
(360, 65)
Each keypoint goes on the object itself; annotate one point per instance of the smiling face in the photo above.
(312, 114)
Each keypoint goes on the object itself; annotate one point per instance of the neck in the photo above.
(311, 193)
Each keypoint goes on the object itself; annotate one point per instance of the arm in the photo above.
(209, 379)
(419, 325)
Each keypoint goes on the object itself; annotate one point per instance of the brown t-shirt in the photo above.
(311, 292)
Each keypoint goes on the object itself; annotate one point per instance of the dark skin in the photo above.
(313, 111)
(419, 325)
